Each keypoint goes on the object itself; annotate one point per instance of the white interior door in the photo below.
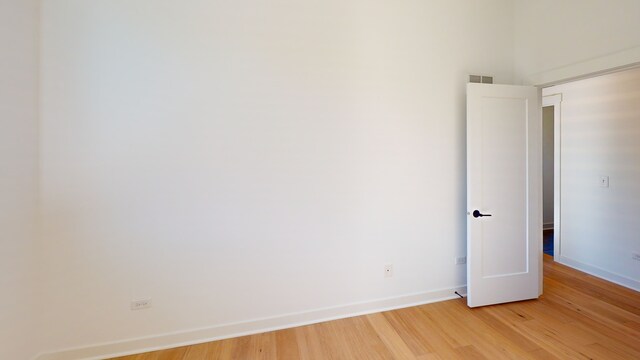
(504, 194)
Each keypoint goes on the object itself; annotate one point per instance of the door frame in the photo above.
(546, 82)
(555, 100)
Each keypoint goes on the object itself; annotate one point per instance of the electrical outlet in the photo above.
(388, 270)
(635, 256)
(604, 181)
(461, 260)
(140, 304)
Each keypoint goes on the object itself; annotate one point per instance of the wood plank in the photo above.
(286, 345)
(390, 337)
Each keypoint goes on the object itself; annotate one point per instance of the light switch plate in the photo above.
(604, 181)
(388, 270)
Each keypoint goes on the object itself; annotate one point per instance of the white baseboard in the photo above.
(547, 226)
(598, 272)
(218, 332)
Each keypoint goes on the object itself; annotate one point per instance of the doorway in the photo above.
(551, 112)
(595, 216)
(548, 179)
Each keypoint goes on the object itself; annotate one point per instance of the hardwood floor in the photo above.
(578, 317)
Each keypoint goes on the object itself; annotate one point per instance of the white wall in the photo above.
(547, 166)
(18, 179)
(235, 161)
(556, 40)
(601, 137)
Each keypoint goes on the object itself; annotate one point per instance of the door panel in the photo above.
(504, 180)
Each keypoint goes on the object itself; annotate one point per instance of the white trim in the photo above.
(598, 272)
(555, 100)
(202, 335)
(616, 61)
(547, 226)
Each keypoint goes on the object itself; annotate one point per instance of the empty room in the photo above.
(319, 179)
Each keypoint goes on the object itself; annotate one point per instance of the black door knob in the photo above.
(477, 214)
